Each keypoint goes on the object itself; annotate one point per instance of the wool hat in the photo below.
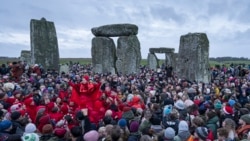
(228, 110)
(202, 132)
(47, 129)
(5, 124)
(231, 102)
(183, 126)
(179, 104)
(91, 136)
(128, 115)
(30, 128)
(169, 133)
(217, 105)
(60, 132)
(16, 107)
(246, 118)
(122, 123)
(167, 110)
(30, 137)
(15, 115)
(134, 126)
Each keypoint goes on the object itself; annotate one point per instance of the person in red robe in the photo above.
(30, 108)
(86, 94)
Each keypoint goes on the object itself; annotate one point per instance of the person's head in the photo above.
(169, 133)
(183, 127)
(229, 124)
(91, 136)
(245, 120)
(222, 134)
(76, 132)
(30, 137)
(116, 133)
(201, 133)
(30, 128)
(5, 125)
(101, 132)
(198, 121)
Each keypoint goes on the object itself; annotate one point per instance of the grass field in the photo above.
(143, 61)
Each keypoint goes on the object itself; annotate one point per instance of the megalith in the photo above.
(169, 56)
(103, 55)
(128, 54)
(25, 56)
(193, 57)
(114, 30)
(152, 61)
(44, 45)
(106, 57)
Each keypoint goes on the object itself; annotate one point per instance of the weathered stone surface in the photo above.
(152, 61)
(193, 58)
(103, 54)
(161, 50)
(128, 54)
(44, 45)
(25, 56)
(169, 54)
(114, 30)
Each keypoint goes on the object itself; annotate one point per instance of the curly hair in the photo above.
(229, 124)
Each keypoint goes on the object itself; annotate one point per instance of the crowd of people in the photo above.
(152, 105)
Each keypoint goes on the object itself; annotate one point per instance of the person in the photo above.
(244, 127)
(222, 134)
(183, 132)
(230, 125)
(201, 133)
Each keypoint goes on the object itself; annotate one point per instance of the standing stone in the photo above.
(103, 55)
(114, 30)
(152, 61)
(128, 54)
(44, 45)
(193, 59)
(25, 56)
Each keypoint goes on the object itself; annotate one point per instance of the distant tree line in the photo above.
(222, 59)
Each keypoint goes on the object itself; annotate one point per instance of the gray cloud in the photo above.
(161, 23)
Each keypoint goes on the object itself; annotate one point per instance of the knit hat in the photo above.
(183, 126)
(30, 128)
(60, 132)
(15, 115)
(122, 123)
(169, 133)
(167, 110)
(91, 136)
(202, 132)
(134, 126)
(179, 104)
(228, 110)
(47, 129)
(231, 102)
(246, 118)
(5, 124)
(15, 107)
(30, 137)
(217, 105)
(128, 115)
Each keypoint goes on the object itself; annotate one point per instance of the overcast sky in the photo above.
(160, 22)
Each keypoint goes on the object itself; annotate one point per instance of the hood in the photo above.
(213, 120)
